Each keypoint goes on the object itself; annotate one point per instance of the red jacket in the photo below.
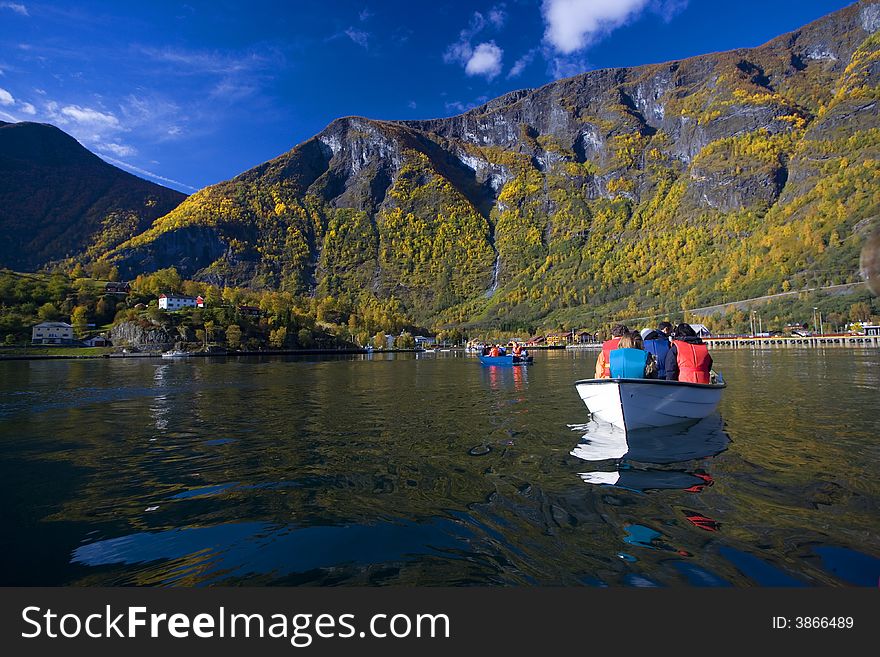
(607, 347)
(694, 362)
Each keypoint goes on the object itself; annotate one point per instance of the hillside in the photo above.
(682, 184)
(58, 200)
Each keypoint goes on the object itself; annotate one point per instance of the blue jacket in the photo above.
(659, 347)
(628, 363)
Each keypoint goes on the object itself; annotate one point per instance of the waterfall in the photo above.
(494, 285)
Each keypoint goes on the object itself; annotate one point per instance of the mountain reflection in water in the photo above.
(431, 470)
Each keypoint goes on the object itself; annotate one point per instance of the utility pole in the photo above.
(821, 326)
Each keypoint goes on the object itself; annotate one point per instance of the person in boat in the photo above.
(657, 343)
(666, 329)
(494, 352)
(517, 350)
(688, 358)
(630, 360)
(602, 369)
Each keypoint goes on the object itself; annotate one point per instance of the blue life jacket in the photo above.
(628, 363)
(659, 347)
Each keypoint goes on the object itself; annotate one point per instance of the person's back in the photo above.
(657, 344)
(628, 363)
(603, 370)
(688, 358)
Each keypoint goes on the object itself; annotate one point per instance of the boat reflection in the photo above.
(499, 377)
(644, 480)
(602, 442)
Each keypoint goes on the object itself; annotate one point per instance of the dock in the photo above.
(793, 341)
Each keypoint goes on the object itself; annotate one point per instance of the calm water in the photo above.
(432, 470)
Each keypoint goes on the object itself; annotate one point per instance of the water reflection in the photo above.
(601, 441)
(430, 471)
(499, 377)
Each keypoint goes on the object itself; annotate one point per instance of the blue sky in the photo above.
(189, 94)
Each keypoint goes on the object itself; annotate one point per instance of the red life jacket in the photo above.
(607, 347)
(694, 362)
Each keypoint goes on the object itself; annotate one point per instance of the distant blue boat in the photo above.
(505, 360)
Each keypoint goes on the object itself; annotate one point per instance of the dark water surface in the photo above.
(432, 470)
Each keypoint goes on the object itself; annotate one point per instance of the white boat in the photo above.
(175, 353)
(644, 403)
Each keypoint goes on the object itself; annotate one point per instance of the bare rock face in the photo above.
(148, 337)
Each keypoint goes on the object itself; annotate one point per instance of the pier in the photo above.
(747, 342)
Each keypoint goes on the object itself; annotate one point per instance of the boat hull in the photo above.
(644, 403)
(505, 361)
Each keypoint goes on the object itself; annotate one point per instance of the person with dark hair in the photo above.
(688, 358)
(602, 362)
(630, 360)
(665, 328)
(658, 344)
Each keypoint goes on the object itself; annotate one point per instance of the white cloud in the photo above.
(6, 97)
(520, 64)
(358, 36)
(144, 172)
(27, 108)
(86, 116)
(365, 14)
(497, 16)
(567, 66)
(571, 25)
(485, 60)
(14, 6)
(119, 150)
(412, 104)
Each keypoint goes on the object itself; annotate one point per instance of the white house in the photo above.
(425, 341)
(174, 302)
(701, 330)
(52, 333)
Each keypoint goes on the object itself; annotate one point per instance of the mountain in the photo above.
(58, 200)
(627, 190)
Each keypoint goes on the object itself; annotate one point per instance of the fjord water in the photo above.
(432, 470)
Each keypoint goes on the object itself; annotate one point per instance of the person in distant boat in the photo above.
(495, 352)
(688, 358)
(657, 343)
(602, 370)
(630, 360)
(517, 349)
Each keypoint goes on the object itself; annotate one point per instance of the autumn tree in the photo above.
(233, 336)
(80, 320)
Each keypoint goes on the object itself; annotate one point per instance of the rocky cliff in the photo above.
(658, 186)
(146, 337)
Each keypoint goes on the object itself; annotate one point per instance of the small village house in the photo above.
(249, 311)
(97, 341)
(114, 287)
(172, 302)
(53, 333)
(701, 330)
(425, 341)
